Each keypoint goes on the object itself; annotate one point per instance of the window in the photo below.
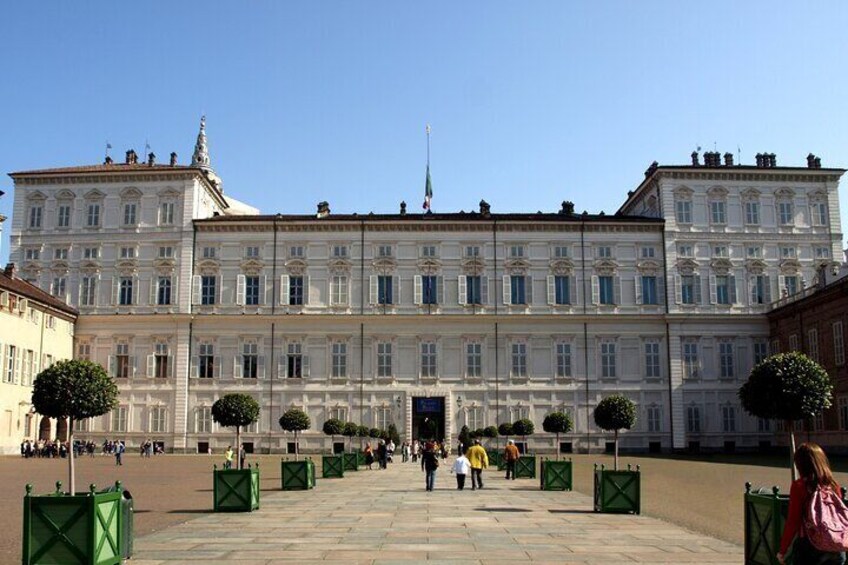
(127, 252)
(206, 361)
(125, 293)
(384, 289)
(92, 253)
(203, 424)
(684, 211)
(838, 344)
(725, 286)
(429, 292)
(338, 412)
(251, 252)
(604, 252)
(122, 361)
(166, 214)
(561, 252)
(382, 417)
(728, 418)
(562, 289)
(384, 359)
(296, 290)
(517, 285)
(251, 290)
(516, 251)
(428, 359)
(163, 291)
(519, 412)
(130, 213)
(654, 414)
(119, 419)
(474, 417)
(720, 251)
(250, 360)
(338, 290)
(166, 252)
(606, 293)
(785, 214)
(11, 360)
(209, 252)
(93, 215)
(88, 291)
(648, 287)
(384, 250)
(842, 403)
(813, 344)
(652, 359)
(690, 289)
(519, 360)
(752, 213)
(819, 213)
(693, 419)
(57, 289)
(33, 254)
(822, 253)
(158, 423)
(473, 359)
(84, 351)
(63, 216)
(295, 361)
(473, 289)
(754, 252)
(563, 360)
(788, 253)
(760, 351)
(297, 252)
(685, 250)
(339, 360)
(760, 289)
(793, 342)
(472, 251)
(161, 366)
(648, 252)
(208, 289)
(35, 215)
(691, 363)
(718, 213)
(608, 359)
(726, 361)
(774, 349)
(763, 425)
(791, 285)
(428, 251)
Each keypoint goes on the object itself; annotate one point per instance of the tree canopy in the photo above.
(505, 429)
(295, 420)
(490, 432)
(333, 427)
(557, 423)
(362, 431)
(235, 409)
(787, 386)
(523, 427)
(74, 389)
(350, 429)
(616, 412)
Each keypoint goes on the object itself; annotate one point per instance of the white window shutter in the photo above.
(574, 291)
(752, 285)
(220, 290)
(417, 290)
(528, 289)
(660, 290)
(260, 367)
(284, 289)
(637, 288)
(507, 289)
(330, 298)
(153, 283)
(462, 290)
(305, 363)
(440, 283)
(136, 290)
(110, 363)
(238, 367)
(699, 298)
(731, 287)
(195, 368)
(713, 290)
(768, 289)
(551, 285)
(196, 289)
(616, 290)
(18, 363)
(485, 283)
(372, 280)
(305, 290)
(264, 290)
(151, 366)
(781, 286)
(596, 289)
(283, 367)
(396, 290)
(678, 289)
(240, 289)
(115, 290)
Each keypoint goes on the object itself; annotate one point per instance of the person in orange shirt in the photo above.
(511, 455)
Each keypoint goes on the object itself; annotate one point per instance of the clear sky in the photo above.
(531, 103)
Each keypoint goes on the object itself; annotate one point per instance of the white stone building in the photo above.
(464, 318)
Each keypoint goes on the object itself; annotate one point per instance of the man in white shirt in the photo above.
(461, 467)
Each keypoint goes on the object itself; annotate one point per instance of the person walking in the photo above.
(461, 467)
(242, 456)
(228, 457)
(382, 454)
(119, 453)
(430, 462)
(479, 460)
(369, 456)
(415, 449)
(511, 455)
(816, 487)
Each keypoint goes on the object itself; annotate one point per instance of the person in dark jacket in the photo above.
(382, 454)
(430, 460)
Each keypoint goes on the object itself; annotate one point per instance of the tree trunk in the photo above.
(556, 447)
(295, 445)
(238, 447)
(792, 449)
(71, 474)
(615, 467)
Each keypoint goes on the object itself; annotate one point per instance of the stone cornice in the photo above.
(328, 227)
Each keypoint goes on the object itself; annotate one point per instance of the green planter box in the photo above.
(618, 491)
(556, 475)
(297, 475)
(85, 529)
(351, 461)
(360, 459)
(765, 515)
(525, 467)
(332, 466)
(236, 490)
(496, 459)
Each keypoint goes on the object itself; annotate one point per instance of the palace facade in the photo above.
(469, 318)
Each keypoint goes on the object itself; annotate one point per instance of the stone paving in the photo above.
(384, 517)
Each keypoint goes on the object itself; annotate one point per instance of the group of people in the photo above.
(42, 448)
(229, 456)
(382, 455)
(471, 461)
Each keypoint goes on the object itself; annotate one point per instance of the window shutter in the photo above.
(264, 290)
(373, 289)
(153, 285)
(240, 289)
(284, 289)
(731, 283)
(768, 289)
(713, 290)
(462, 290)
(170, 366)
(507, 289)
(305, 290)
(219, 299)
(151, 366)
(195, 368)
(528, 289)
(440, 284)
(331, 300)
(174, 290)
(678, 289)
(260, 367)
(551, 285)
(115, 290)
(283, 367)
(136, 290)
(237, 367)
(699, 299)
(305, 366)
(574, 291)
(596, 289)
(196, 289)
(4, 299)
(781, 287)
(417, 290)
(752, 285)
(110, 364)
(484, 290)
(661, 298)
(637, 288)
(616, 290)
(396, 290)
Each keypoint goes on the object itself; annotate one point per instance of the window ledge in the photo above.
(338, 380)
(384, 380)
(474, 380)
(428, 380)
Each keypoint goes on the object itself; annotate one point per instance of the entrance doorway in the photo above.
(428, 417)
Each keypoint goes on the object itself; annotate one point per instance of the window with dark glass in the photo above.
(296, 290)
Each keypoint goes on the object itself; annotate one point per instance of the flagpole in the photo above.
(428, 145)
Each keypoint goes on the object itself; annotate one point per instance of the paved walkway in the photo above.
(384, 517)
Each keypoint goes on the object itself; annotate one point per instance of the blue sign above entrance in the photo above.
(429, 405)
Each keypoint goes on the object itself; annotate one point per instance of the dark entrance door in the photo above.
(428, 417)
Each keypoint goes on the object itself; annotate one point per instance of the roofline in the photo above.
(517, 217)
(721, 169)
(53, 305)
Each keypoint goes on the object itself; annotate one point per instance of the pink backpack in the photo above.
(826, 521)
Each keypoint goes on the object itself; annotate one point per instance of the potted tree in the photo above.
(787, 387)
(59, 524)
(616, 490)
(557, 475)
(504, 430)
(351, 458)
(525, 467)
(236, 490)
(490, 432)
(296, 475)
(332, 465)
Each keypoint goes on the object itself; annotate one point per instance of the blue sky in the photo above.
(531, 103)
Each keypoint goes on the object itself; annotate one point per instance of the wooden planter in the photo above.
(84, 529)
(351, 461)
(297, 475)
(496, 459)
(525, 467)
(618, 491)
(556, 475)
(332, 466)
(765, 515)
(236, 490)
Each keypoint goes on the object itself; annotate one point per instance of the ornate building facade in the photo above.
(463, 318)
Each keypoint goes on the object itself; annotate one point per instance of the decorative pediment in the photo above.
(429, 266)
(721, 265)
(208, 266)
(683, 192)
(65, 194)
(60, 266)
(89, 267)
(517, 266)
(562, 266)
(131, 193)
(687, 266)
(817, 195)
(751, 194)
(164, 264)
(94, 194)
(31, 267)
(473, 265)
(384, 265)
(755, 266)
(605, 266)
(784, 193)
(648, 266)
(168, 192)
(36, 195)
(790, 266)
(298, 266)
(126, 265)
(717, 192)
(252, 266)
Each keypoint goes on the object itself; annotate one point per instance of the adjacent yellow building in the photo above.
(36, 330)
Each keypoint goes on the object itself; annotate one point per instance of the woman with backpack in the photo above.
(817, 518)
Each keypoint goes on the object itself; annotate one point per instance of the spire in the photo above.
(201, 152)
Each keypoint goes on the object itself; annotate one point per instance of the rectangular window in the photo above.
(650, 295)
(92, 253)
(127, 252)
(517, 290)
(654, 419)
(338, 290)
(119, 419)
(208, 289)
(384, 289)
(728, 419)
(428, 359)
(88, 291)
(428, 251)
(209, 252)
(58, 287)
(339, 361)
(84, 351)
(648, 252)
(763, 425)
(125, 295)
(474, 417)
(166, 214)
(813, 344)
(473, 359)
(606, 293)
(725, 289)
(791, 285)
(652, 359)
(35, 215)
(161, 364)
(519, 359)
(562, 289)
(250, 360)
(251, 252)
(516, 251)
(93, 216)
(296, 290)
(690, 289)
(752, 213)
(685, 250)
(691, 363)
(793, 342)
(297, 251)
(384, 359)
(842, 403)
(754, 252)
(760, 351)
(718, 212)
(473, 289)
(822, 253)
(788, 253)
(63, 216)
(820, 214)
(251, 290)
(129, 213)
(604, 252)
(204, 420)
(472, 251)
(33, 254)
(122, 361)
(560, 252)
(838, 344)
(563, 360)
(726, 361)
(429, 292)
(785, 214)
(693, 419)
(720, 251)
(166, 252)
(294, 361)
(163, 291)
(206, 361)
(384, 250)
(11, 359)
(608, 369)
(760, 291)
(684, 211)
(158, 423)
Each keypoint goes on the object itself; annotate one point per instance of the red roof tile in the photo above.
(32, 292)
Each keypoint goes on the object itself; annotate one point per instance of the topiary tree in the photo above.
(350, 431)
(490, 432)
(523, 427)
(614, 413)
(362, 432)
(477, 434)
(557, 423)
(374, 433)
(505, 430)
(333, 427)
(236, 410)
(295, 420)
(787, 387)
(75, 390)
(465, 436)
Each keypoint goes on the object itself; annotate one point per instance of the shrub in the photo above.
(557, 423)
(615, 413)
(295, 420)
(523, 428)
(350, 431)
(333, 427)
(236, 410)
